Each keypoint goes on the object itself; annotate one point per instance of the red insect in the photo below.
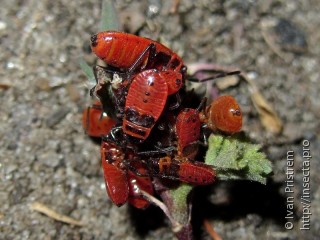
(130, 52)
(123, 185)
(146, 100)
(95, 122)
(136, 184)
(223, 114)
(188, 128)
(182, 169)
(115, 175)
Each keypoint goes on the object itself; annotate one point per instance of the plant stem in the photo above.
(178, 208)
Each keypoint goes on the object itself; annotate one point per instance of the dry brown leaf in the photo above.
(39, 207)
(226, 82)
(268, 116)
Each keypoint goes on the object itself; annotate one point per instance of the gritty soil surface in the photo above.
(46, 157)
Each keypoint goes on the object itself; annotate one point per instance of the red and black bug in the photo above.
(179, 169)
(128, 56)
(149, 73)
(133, 53)
(123, 185)
(115, 174)
(223, 114)
(194, 172)
(138, 183)
(188, 130)
(146, 99)
(95, 122)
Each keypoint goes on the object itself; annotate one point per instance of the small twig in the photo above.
(189, 213)
(211, 231)
(39, 207)
(4, 86)
(175, 225)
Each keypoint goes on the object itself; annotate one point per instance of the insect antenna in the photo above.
(215, 76)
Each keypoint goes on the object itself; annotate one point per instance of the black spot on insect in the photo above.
(131, 115)
(236, 112)
(162, 59)
(145, 100)
(135, 130)
(147, 93)
(94, 40)
(147, 121)
(175, 63)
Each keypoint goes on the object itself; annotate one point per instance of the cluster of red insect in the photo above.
(144, 118)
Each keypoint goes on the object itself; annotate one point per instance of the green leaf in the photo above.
(180, 194)
(235, 159)
(87, 71)
(109, 17)
(180, 207)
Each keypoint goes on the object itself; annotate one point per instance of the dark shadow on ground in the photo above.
(243, 198)
(146, 220)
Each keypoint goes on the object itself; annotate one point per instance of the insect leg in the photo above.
(151, 49)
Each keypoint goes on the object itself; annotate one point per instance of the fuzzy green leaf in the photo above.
(180, 194)
(179, 201)
(235, 159)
